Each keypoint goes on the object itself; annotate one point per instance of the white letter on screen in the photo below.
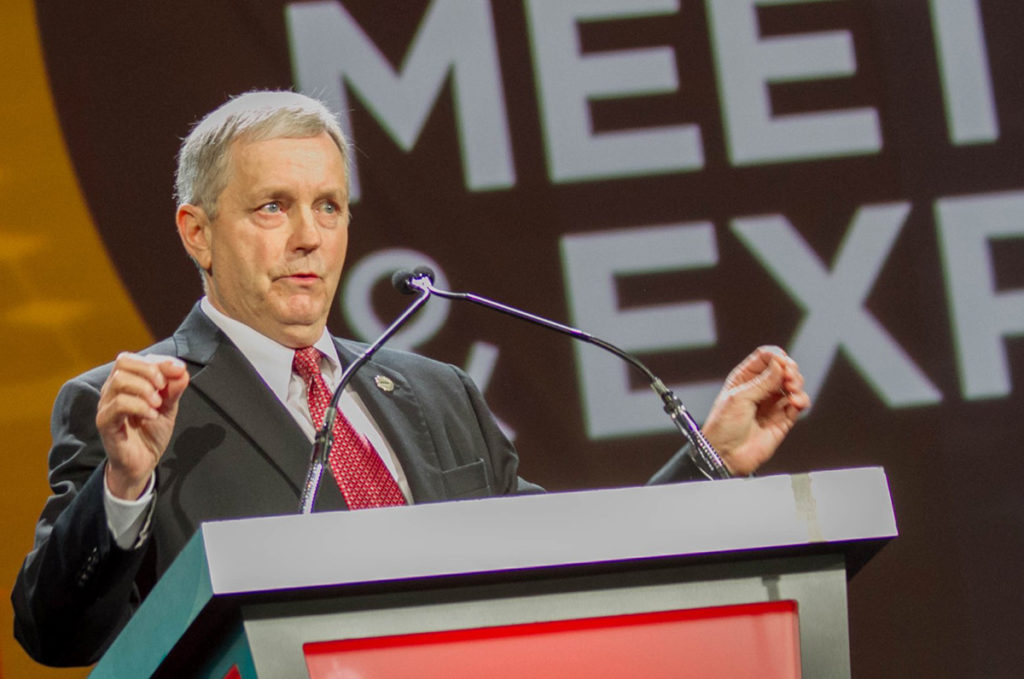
(568, 81)
(963, 66)
(456, 39)
(834, 301)
(982, 316)
(592, 262)
(747, 64)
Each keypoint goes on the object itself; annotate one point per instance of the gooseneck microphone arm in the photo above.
(325, 435)
(703, 454)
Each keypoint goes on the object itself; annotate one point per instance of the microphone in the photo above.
(325, 435)
(403, 279)
(703, 454)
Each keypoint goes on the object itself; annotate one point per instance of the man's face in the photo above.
(274, 254)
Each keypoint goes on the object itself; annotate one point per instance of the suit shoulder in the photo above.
(402, 361)
(98, 375)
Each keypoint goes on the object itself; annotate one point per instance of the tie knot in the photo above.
(307, 362)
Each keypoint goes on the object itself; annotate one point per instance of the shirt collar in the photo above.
(272, 360)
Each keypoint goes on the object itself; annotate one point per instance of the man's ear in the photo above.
(194, 230)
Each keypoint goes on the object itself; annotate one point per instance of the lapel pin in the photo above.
(385, 384)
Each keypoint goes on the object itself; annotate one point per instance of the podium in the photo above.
(693, 579)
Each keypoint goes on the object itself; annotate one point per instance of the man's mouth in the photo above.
(300, 280)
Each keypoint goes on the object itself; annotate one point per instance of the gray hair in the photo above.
(253, 116)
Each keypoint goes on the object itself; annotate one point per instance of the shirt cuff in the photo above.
(128, 520)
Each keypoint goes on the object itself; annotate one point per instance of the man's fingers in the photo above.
(793, 379)
(756, 386)
(146, 376)
(754, 364)
(793, 386)
(147, 367)
(176, 376)
(140, 386)
(113, 412)
(771, 380)
(123, 382)
(169, 365)
(799, 399)
(175, 388)
(769, 375)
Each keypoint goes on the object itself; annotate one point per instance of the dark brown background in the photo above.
(944, 600)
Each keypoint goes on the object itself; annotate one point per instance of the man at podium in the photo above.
(216, 421)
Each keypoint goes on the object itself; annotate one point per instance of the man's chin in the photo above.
(300, 308)
(305, 325)
(298, 335)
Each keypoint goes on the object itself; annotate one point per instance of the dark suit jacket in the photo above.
(235, 452)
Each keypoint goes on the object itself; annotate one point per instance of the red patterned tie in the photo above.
(364, 480)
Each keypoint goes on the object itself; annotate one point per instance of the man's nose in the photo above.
(305, 232)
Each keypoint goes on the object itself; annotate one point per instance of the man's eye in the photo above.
(273, 207)
(330, 208)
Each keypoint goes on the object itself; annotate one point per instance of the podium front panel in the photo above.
(815, 586)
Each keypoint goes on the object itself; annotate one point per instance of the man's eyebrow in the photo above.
(269, 191)
(339, 194)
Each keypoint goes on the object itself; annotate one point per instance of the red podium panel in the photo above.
(753, 640)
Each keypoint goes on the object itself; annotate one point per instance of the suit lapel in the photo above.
(225, 377)
(400, 417)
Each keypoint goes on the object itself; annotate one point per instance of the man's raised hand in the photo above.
(760, 402)
(135, 417)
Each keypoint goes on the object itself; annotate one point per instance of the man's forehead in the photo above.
(322, 143)
(272, 160)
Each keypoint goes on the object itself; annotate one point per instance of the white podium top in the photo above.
(556, 529)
